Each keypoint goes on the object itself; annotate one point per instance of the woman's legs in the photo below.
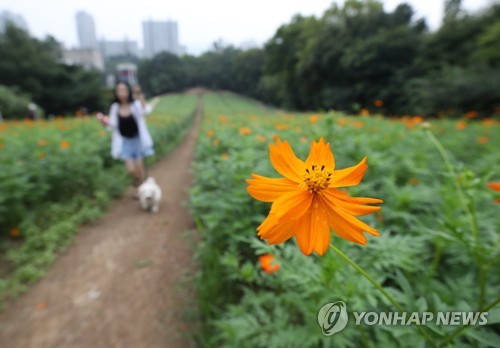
(135, 171)
(139, 169)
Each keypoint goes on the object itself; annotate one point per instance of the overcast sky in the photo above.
(200, 22)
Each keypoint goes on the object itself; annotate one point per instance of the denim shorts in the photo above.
(131, 149)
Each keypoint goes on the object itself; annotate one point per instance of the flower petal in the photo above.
(495, 186)
(269, 189)
(321, 154)
(312, 231)
(346, 225)
(291, 205)
(352, 205)
(349, 176)
(275, 232)
(285, 162)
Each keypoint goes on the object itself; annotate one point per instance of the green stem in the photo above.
(459, 330)
(467, 208)
(379, 288)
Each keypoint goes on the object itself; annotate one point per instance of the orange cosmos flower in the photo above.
(483, 140)
(313, 119)
(461, 125)
(365, 112)
(307, 202)
(471, 114)
(378, 103)
(245, 131)
(495, 186)
(64, 144)
(261, 138)
(265, 263)
(216, 142)
(210, 133)
(14, 232)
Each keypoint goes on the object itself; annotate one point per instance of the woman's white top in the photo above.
(139, 113)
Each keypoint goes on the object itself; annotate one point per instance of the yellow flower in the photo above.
(307, 202)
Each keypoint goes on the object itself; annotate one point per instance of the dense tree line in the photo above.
(33, 69)
(352, 56)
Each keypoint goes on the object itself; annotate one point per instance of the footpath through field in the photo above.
(124, 281)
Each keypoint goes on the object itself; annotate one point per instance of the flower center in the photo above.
(317, 178)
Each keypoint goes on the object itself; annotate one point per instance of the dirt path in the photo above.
(123, 282)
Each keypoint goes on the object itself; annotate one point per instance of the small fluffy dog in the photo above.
(150, 195)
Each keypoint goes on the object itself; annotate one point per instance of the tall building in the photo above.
(118, 48)
(86, 30)
(15, 19)
(160, 36)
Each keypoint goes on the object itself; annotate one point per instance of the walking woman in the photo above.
(131, 140)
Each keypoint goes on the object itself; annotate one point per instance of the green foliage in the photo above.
(426, 256)
(12, 104)
(33, 67)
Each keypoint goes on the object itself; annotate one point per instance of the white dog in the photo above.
(150, 195)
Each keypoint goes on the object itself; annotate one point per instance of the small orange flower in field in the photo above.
(313, 119)
(3, 126)
(365, 112)
(41, 306)
(483, 140)
(64, 144)
(42, 142)
(41, 155)
(261, 138)
(14, 232)
(461, 125)
(265, 263)
(307, 202)
(245, 131)
(222, 119)
(413, 181)
(342, 122)
(358, 124)
(471, 114)
(417, 119)
(378, 103)
(216, 142)
(488, 122)
(210, 133)
(224, 156)
(495, 186)
(281, 126)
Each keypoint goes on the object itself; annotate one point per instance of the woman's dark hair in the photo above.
(130, 94)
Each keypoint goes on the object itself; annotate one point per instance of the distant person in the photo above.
(131, 140)
(31, 111)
